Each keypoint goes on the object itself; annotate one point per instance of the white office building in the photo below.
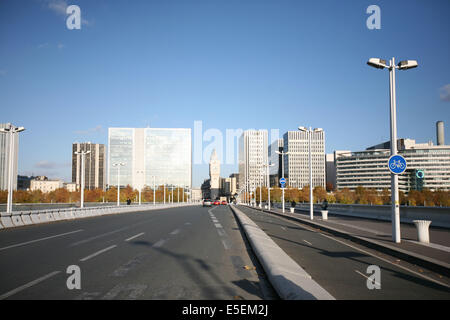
(296, 162)
(5, 144)
(160, 155)
(45, 185)
(253, 156)
(369, 169)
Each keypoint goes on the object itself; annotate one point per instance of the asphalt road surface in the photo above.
(341, 267)
(178, 253)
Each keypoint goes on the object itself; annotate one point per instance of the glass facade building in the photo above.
(160, 155)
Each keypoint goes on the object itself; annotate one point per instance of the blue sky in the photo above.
(271, 64)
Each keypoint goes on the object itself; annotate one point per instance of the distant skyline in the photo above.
(230, 64)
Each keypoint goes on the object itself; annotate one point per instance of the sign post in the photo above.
(396, 165)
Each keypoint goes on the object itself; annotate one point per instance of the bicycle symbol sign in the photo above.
(397, 164)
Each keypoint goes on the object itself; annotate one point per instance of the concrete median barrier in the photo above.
(289, 279)
(35, 218)
(21, 218)
(26, 219)
(16, 219)
(6, 220)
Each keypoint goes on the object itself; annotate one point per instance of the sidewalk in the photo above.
(377, 234)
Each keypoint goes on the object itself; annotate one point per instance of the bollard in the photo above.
(422, 230)
(292, 209)
(324, 214)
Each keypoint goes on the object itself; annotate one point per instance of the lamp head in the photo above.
(407, 64)
(377, 63)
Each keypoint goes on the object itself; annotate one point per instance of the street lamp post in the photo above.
(118, 165)
(141, 184)
(154, 191)
(403, 65)
(282, 172)
(11, 131)
(83, 159)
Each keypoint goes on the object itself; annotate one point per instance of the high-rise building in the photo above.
(94, 165)
(296, 162)
(253, 157)
(163, 153)
(5, 144)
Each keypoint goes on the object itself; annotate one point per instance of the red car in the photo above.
(224, 202)
(216, 203)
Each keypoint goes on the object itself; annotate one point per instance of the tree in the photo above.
(320, 193)
(345, 196)
(385, 196)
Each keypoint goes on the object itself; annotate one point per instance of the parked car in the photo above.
(224, 202)
(207, 203)
(216, 203)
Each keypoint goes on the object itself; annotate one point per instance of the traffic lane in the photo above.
(409, 232)
(240, 251)
(188, 264)
(23, 234)
(24, 263)
(339, 268)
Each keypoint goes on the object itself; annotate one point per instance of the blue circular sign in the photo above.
(397, 164)
(282, 180)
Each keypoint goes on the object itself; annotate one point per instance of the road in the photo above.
(340, 267)
(178, 253)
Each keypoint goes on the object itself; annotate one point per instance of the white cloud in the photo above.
(49, 165)
(42, 45)
(58, 6)
(97, 129)
(444, 92)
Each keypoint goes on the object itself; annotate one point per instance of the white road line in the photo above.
(225, 244)
(98, 236)
(218, 225)
(308, 242)
(97, 253)
(221, 232)
(134, 237)
(174, 232)
(159, 243)
(376, 283)
(28, 285)
(283, 228)
(41, 239)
